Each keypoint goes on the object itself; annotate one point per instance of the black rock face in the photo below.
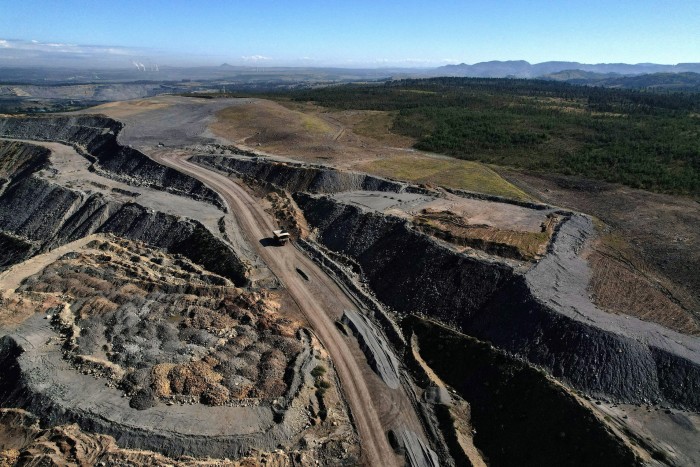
(413, 273)
(37, 215)
(300, 177)
(97, 135)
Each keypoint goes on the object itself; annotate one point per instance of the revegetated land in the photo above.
(358, 140)
(640, 139)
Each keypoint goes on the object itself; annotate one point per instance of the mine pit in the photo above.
(141, 310)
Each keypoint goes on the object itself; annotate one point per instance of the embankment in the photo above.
(96, 137)
(298, 177)
(37, 215)
(19, 160)
(519, 416)
(413, 273)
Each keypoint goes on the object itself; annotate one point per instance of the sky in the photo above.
(347, 33)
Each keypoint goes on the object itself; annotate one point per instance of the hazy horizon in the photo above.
(363, 34)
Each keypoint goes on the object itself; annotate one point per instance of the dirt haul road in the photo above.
(374, 411)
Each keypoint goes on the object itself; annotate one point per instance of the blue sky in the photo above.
(359, 33)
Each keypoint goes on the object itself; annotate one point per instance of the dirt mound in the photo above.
(161, 328)
(522, 245)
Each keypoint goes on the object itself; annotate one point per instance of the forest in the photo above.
(639, 138)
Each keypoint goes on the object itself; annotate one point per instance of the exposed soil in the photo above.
(522, 245)
(133, 320)
(24, 442)
(165, 329)
(302, 132)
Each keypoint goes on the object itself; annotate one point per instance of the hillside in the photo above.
(641, 139)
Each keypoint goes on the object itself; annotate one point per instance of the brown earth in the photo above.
(242, 345)
(24, 442)
(519, 244)
(105, 278)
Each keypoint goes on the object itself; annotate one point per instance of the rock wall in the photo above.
(18, 160)
(413, 273)
(98, 136)
(514, 405)
(407, 270)
(37, 212)
(299, 177)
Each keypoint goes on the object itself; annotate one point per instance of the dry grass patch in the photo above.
(268, 123)
(623, 283)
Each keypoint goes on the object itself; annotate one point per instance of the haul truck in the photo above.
(281, 237)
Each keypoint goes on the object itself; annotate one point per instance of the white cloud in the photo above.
(33, 52)
(52, 47)
(255, 58)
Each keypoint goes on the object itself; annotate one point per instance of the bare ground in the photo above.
(75, 297)
(374, 406)
(359, 141)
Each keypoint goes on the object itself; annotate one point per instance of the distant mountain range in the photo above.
(523, 69)
(680, 77)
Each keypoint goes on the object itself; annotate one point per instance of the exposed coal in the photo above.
(96, 137)
(414, 273)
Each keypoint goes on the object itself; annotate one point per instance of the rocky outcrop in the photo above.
(378, 352)
(298, 177)
(44, 215)
(520, 313)
(14, 249)
(96, 137)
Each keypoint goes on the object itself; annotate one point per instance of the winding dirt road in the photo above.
(322, 301)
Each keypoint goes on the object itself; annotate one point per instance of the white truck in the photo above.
(281, 237)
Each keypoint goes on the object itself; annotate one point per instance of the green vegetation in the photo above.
(638, 138)
(321, 386)
(465, 175)
(318, 371)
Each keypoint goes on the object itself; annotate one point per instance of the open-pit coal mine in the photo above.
(149, 316)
